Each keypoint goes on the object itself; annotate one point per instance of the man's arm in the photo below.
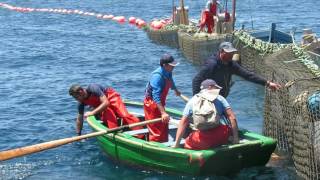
(164, 115)
(181, 129)
(248, 75)
(234, 125)
(79, 123)
(174, 87)
(104, 104)
(251, 76)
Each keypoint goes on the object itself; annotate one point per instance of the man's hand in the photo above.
(165, 117)
(273, 86)
(175, 146)
(89, 113)
(178, 93)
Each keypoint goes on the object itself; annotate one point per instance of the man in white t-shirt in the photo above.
(204, 139)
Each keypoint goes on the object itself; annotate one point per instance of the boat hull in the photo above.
(153, 155)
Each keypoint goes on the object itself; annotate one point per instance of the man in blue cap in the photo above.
(220, 68)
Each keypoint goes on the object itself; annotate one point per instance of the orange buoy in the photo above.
(119, 19)
(137, 21)
(132, 20)
(156, 24)
(141, 23)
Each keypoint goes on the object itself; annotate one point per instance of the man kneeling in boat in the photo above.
(208, 111)
(106, 102)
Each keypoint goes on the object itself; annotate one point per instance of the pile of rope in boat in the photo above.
(120, 19)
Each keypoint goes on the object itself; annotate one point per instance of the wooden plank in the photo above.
(145, 131)
(171, 143)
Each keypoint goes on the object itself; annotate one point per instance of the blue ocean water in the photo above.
(43, 53)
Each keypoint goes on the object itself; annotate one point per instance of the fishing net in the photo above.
(253, 51)
(199, 46)
(168, 37)
(292, 114)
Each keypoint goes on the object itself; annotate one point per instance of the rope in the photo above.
(290, 83)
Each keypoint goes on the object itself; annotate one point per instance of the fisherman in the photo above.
(212, 6)
(210, 130)
(208, 15)
(106, 102)
(220, 68)
(155, 98)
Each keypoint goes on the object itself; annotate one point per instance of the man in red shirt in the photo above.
(106, 102)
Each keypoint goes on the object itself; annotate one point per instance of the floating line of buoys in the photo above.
(120, 19)
(158, 24)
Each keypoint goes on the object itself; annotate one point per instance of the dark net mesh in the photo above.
(292, 113)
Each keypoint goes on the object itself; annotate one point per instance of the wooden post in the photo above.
(173, 12)
(233, 13)
(183, 18)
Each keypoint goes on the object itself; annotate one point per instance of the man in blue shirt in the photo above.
(155, 98)
(210, 137)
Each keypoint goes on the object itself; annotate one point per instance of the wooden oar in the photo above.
(13, 153)
(184, 98)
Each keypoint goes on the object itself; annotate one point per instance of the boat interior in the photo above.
(173, 126)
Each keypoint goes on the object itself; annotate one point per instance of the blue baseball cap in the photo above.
(209, 82)
(168, 59)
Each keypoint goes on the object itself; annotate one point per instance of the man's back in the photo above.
(214, 69)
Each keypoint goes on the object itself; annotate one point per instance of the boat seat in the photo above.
(145, 131)
(171, 143)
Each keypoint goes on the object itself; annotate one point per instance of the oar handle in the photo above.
(13, 153)
(184, 98)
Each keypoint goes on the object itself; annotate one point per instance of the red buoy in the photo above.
(132, 20)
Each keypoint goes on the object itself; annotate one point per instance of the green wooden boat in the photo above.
(253, 150)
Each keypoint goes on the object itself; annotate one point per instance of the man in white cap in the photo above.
(220, 68)
(155, 98)
(212, 117)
